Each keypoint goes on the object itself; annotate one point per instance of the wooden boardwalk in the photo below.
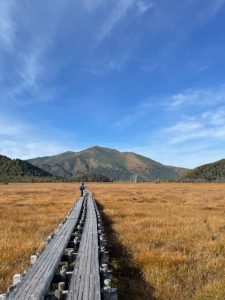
(82, 275)
(85, 282)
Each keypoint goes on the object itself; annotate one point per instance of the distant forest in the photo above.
(214, 172)
(89, 177)
(16, 170)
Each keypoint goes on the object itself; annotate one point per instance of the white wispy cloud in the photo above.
(197, 97)
(216, 118)
(33, 68)
(118, 13)
(207, 125)
(31, 72)
(7, 24)
(144, 6)
(34, 71)
(186, 126)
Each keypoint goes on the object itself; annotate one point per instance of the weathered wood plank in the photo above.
(85, 282)
(35, 283)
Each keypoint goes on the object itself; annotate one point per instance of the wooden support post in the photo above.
(102, 240)
(69, 274)
(58, 294)
(63, 271)
(33, 259)
(61, 286)
(113, 294)
(104, 256)
(16, 279)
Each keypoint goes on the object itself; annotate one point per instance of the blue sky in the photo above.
(136, 75)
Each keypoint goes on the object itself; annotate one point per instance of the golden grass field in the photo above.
(167, 241)
(28, 213)
(173, 233)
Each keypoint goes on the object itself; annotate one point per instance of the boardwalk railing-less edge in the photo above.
(74, 263)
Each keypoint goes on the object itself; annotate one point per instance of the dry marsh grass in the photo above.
(167, 241)
(28, 213)
(174, 235)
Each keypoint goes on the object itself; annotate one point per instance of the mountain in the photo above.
(209, 172)
(16, 170)
(108, 162)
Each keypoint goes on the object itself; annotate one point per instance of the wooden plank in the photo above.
(85, 282)
(35, 283)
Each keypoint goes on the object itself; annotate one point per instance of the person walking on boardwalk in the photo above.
(82, 188)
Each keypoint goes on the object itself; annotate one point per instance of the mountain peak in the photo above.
(99, 148)
(108, 162)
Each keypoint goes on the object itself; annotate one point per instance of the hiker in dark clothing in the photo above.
(82, 188)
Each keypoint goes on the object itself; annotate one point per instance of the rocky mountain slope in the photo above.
(108, 162)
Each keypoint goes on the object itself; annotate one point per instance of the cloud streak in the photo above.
(7, 24)
(207, 125)
(144, 6)
(115, 17)
(197, 97)
(120, 11)
(28, 60)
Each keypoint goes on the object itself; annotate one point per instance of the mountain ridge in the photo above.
(108, 162)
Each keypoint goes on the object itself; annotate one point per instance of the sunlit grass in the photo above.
(175, 233)
(28, 213)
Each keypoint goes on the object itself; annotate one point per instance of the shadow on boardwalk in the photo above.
(127, 277)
